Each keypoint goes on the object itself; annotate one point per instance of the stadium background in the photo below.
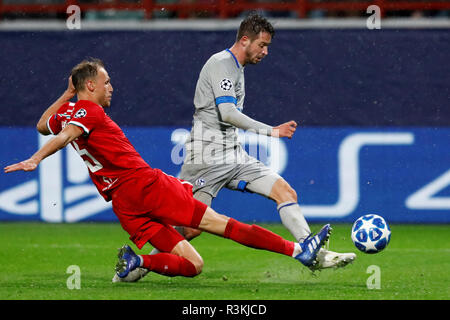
(372, 107)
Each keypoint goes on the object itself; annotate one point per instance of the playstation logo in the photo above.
(62, 191)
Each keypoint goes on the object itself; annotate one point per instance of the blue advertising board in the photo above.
(372, 108)
(339, 174)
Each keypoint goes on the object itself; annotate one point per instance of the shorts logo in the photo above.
(200, 182)
(80, 113)
(226, 84)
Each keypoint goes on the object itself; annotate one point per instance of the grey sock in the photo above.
(293, 219)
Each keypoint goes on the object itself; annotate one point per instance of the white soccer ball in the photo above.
(371, 233)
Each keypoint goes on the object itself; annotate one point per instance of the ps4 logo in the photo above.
(426, 198)
(63, 191)
(276, 157)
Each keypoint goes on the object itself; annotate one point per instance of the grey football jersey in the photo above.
(221, 80)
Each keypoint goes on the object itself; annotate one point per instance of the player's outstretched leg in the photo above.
(257, 237)
(185, 261)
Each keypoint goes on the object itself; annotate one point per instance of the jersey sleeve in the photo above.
(54, 122)
(222, 84)
(236, 118)
(87, 116)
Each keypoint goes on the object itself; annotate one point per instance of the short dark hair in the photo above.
(253, 25)
(86, 69)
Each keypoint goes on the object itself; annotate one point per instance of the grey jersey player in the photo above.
(215, 159)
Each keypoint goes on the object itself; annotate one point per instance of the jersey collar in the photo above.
(234, 57)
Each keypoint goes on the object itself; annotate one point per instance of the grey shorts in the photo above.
(246, 176)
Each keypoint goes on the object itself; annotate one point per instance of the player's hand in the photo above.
(26, 165)
(71, 91)
(286, 129)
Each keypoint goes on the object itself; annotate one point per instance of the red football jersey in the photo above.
(108, 154)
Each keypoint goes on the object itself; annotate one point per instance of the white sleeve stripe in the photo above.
(79, 125)
(48, 124)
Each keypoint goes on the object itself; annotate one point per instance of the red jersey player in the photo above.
(146, 201)
(104, 148)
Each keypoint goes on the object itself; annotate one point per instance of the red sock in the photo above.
(169, 265)
(256, 237)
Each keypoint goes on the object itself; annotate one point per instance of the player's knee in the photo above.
(292, 194)
(198, 264)
(285, 192)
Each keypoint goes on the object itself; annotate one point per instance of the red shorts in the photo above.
(150, 202)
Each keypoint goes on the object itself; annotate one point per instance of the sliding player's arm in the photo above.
(67, 135)
(65, 97)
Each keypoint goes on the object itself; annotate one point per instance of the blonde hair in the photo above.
(86, 69)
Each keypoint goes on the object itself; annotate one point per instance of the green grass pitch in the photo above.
(35, 257)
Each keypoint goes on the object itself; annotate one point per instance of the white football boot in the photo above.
(133, 276)
(329, 259)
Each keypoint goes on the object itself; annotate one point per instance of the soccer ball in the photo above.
(371, 233)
